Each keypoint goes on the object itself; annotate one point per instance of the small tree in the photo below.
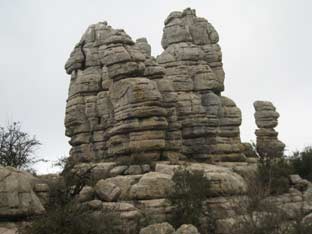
(302, 163)
(274, 173)
(191, 189)
(17, 147)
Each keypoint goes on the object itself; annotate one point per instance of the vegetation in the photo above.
(302, 163)
(190, 190)
(273, 174)
(258, 211)
(17, 148)
(66, 215)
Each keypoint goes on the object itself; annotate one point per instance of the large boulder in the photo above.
(187, 229)
(159, 228)
(107, 191)
(17, 196)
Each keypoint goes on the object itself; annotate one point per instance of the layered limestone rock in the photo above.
(133, 120)
(114, 111)
(142, 199)
(193, 67)
(20, 194)
(266, 117)
(124, 105)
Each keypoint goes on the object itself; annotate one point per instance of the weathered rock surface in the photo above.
(134, 119)
(126, 106)
(266, 120)
(107, 191)
(166, 228)
(187, 229)
(17, 196)
(159, 228)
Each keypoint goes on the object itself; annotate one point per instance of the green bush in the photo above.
(73, 219)
(302, 163)
(257, 213)
(67, 216)
(273, 174)
(190, 190)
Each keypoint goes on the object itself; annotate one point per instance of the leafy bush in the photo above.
(302, 163)
(190, 190)
(273, 174)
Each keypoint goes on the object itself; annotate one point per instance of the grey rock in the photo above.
(159, 228)
(86, 194)
(17, 196)
(187, 229)
(107, 191)
(266, 118)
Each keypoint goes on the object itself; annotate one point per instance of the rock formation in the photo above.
(21, 194)
(266, 120)
(124, 105)
(134, 119)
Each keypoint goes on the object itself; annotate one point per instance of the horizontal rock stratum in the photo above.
(126, 106)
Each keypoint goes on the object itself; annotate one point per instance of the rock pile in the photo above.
(266, 120)
(127, 106)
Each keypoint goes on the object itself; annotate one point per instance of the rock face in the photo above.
(17, 194)
(266, 120)
(124, 105)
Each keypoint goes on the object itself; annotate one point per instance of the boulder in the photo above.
(159, 228)
(151, 186)
(86, 194)
(107, 191)
(187, 229)
(17, 196)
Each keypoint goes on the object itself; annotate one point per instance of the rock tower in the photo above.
(126, 106)
(266, 120)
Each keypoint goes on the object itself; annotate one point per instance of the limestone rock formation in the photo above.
(267, 138)
(18, 197)
(124, 105)
(133, 120)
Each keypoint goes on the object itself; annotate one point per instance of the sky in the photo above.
(266, 47)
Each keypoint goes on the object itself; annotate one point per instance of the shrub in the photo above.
(190, 190)
(73, 218)
(66, 215)
(302, 163)
(258, 213)
(273, 174)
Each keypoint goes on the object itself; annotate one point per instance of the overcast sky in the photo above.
(266, 44)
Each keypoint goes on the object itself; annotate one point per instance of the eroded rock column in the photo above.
(266, 117)
(194, 72)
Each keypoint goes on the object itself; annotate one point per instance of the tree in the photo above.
(17, 148)
(191, 189)
(302, 163)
